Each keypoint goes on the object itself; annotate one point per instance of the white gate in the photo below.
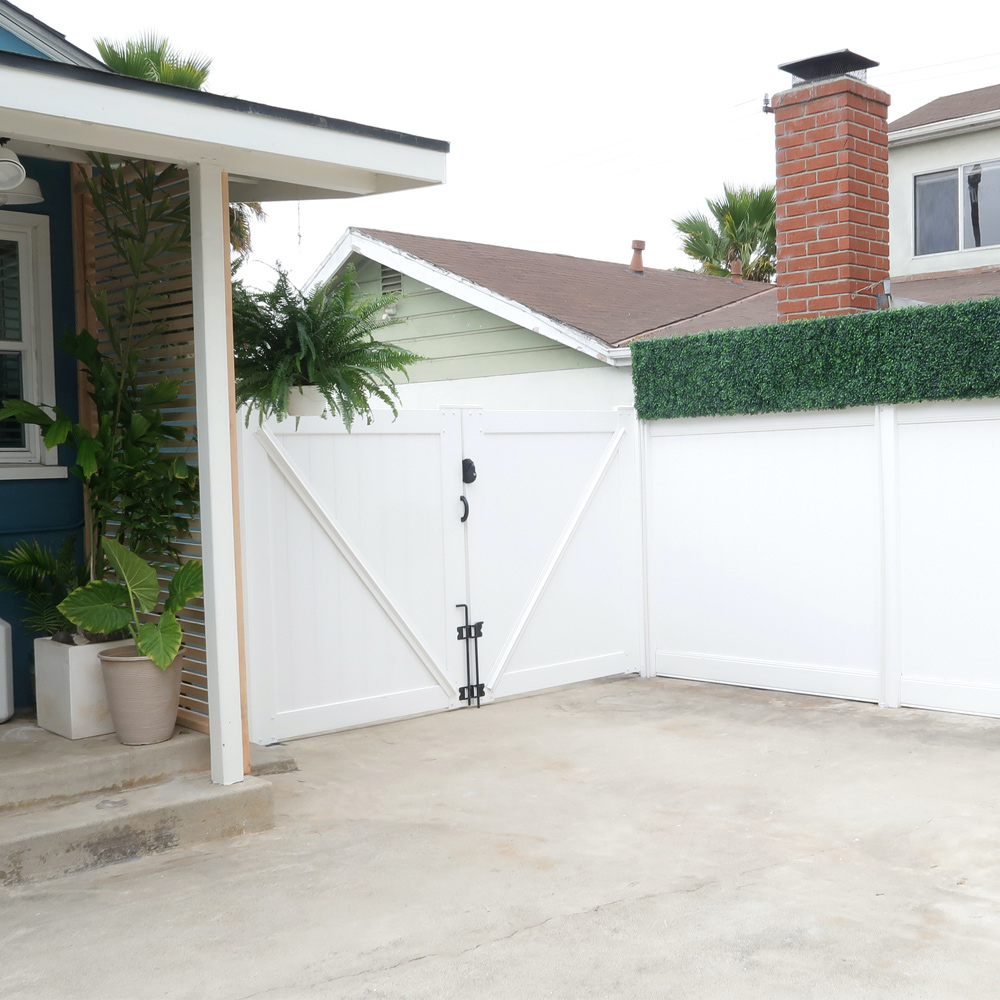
(356, 558)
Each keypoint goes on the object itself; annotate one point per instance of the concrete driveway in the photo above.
(625, 838)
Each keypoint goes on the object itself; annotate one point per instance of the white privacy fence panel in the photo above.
(845, 553)
(949, 551)
(764, 554)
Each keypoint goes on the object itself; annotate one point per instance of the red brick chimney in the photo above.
(832, 188)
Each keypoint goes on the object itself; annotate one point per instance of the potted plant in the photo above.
(143, 679)
(294, 347)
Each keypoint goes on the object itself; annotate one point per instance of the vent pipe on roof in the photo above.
(637, 247)
(736, 272)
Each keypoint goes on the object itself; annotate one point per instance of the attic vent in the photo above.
(392, 281)
(842, 63)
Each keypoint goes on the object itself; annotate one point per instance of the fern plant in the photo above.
(286, 338)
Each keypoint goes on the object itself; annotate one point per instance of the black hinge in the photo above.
(470, 633)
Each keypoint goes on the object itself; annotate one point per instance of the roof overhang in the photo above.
(271, 154)
(944, 129)
(355, 241)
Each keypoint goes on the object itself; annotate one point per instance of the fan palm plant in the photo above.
(43, 578)
(153, 57)
(286, 338)
(743, 227)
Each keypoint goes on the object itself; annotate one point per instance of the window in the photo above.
(936, 212)
(26, 364)
(957, 209)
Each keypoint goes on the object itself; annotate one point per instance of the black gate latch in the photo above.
(470, 633)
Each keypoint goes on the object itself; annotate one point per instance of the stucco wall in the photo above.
(906, 162)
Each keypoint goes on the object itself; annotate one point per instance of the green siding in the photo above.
(461, 341)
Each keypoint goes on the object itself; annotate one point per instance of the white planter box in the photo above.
(69, 689)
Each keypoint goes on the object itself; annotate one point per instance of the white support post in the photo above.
(209, 265)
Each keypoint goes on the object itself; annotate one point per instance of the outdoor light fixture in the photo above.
(26, 193)
(11, 171)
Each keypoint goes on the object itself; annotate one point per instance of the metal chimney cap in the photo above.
(842, 63)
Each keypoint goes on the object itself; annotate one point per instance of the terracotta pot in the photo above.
(306, 401)
(142, 697)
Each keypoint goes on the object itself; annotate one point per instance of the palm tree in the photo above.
(152, 57)
(743, 227)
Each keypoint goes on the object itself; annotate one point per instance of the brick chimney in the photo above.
(832, 188)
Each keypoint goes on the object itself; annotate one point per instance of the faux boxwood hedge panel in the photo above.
(892, 356)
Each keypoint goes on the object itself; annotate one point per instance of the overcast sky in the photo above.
(574, 128)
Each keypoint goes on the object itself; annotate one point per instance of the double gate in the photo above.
(364, 552)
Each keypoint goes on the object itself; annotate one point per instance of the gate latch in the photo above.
(470, 633)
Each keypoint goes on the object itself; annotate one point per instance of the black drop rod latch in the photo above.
(470, 632)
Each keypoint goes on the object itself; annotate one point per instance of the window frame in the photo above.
(31, 233)
(959, 170)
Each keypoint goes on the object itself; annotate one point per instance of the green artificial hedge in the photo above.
(891, 356)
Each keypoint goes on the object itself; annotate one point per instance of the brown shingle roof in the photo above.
(603, 299)
(939, 289)
(755, 310)
(971, 102)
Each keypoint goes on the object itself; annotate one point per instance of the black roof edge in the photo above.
(103, 78)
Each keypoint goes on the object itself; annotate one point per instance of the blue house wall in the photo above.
(46, 509)
(11, 43)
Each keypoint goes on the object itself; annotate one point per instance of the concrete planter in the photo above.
(69, 689)
(142, 697)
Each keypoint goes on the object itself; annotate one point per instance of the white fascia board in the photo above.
(44, 108)
(467, 291)
(945, 129)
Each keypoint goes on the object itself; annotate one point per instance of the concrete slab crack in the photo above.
(483, 944)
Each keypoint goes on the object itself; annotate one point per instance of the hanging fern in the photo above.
(286, 338)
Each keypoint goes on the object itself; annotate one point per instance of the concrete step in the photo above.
(59, 838)
(41, 767)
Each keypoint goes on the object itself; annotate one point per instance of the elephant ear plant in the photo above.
(109, 605)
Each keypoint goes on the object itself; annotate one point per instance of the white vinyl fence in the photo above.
(847, 553)
(843, 553)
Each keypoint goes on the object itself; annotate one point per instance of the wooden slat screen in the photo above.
(170, 353)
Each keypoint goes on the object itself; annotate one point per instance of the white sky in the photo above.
(574, 128)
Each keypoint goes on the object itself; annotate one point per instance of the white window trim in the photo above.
(959, 169)
(31, 233)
